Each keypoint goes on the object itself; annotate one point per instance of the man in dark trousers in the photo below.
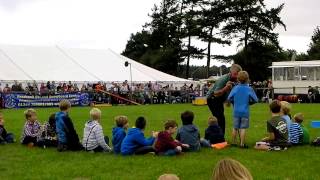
(218, 94)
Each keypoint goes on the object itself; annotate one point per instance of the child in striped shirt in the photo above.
(93, 138)
(295, 130)
(32, 129)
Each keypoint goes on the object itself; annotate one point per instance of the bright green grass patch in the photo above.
(19, 162)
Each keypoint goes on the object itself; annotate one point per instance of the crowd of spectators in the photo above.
(143, 93)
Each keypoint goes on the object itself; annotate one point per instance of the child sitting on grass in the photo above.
(93, 138)
(277, 130)
(305, 139)
(135, 142)
(213, 133)
(68, 138)
(299, 134)
(285, 114)
(189, 133)
(4, 136)
(165, 144)
(295, 130)
(49, 134)
(241, 97)
(31, 130)
(119, 132)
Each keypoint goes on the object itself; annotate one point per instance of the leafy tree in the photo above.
(189, 29)
(314, 51)
(250, 20)
(213, 14)
(257, 58)
(137, 45)
(159, 44)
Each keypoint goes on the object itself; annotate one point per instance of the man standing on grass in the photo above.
(218, 94)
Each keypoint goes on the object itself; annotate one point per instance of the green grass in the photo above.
(19, 162)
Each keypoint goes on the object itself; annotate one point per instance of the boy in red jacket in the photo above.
(165, 144)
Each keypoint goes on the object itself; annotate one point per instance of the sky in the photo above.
(103, 24)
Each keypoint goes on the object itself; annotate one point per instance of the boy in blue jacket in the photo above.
(68, 138)
(135, 142)
(119, 132)
(241, 97)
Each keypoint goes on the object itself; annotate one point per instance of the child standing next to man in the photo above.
(32, 129)
(241, 96)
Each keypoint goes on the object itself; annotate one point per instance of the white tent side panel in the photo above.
(46, 63)
(9, 71)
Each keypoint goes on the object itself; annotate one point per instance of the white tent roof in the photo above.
(66, 64)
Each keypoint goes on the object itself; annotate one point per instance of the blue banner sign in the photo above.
(18, 100)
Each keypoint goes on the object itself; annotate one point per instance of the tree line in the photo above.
(169, 38)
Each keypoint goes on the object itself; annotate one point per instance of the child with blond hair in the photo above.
(32, 129)
(119, 132)
(241, 97)
(168, 177)
(228, 168)
(93, 138)
(285, 114)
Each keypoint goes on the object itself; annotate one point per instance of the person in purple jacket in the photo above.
(241, 96)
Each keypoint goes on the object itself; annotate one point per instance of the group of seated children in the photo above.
(60, 132)
(57, 132)
(187, 138)
(282, 132)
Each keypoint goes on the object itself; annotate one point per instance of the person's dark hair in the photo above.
(52, 119)
(141, 123)
(187, 117)
(275, 106)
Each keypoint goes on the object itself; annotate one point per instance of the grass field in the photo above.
(19, 162)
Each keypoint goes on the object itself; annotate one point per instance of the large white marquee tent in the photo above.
(30, 63)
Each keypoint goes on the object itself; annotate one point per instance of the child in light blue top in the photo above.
(285, 114)
(241, 96)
